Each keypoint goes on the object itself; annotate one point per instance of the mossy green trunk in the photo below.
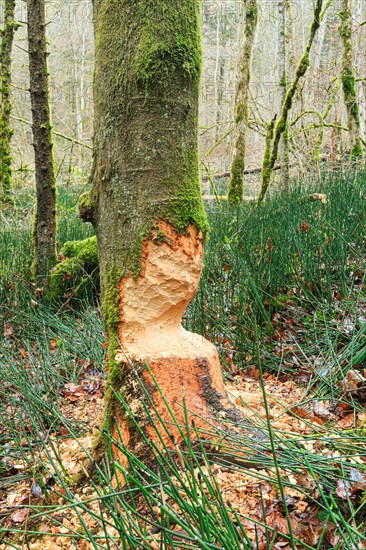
(284, 156)
(146, 86)
(45, 218)
(7, 38)
(349, 81)
(236, 188)
(146, 169)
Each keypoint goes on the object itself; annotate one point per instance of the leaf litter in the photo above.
(253, 494)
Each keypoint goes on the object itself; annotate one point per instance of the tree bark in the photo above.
(7, 39)
(349, 81)
(236, 187)
(275, 131)
(45, 219)
(146, 207)
(284, 156)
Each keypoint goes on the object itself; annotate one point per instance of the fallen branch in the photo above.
(63, 136)
(223, 175)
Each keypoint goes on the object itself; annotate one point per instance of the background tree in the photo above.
(236, 188)
(349, 81)
(284, 155)
(275, 130)
(7, 38)
(45, 219)
(71, 46)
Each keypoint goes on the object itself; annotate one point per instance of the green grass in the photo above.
(290, 249)
(283, 289)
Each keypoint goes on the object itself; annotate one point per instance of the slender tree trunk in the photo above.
(147, 210)
(349, 81)
(7, 39)
(236, 188)
(275, 132)
(45, 219)
(220, 96)
(284, 155)
(218, 70)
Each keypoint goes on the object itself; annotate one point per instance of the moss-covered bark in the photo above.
(349, 81)
(147, 76)
(45, 218)
(7, 38)
(146, 89)
(78, 270)
(236, 188)
(272, 146)
(282, 75)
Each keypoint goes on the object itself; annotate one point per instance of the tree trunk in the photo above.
(45, 219)
(147, 210)
(284, 156)
(236, 188)
(349, 81)
(274, 132)
(7, 39)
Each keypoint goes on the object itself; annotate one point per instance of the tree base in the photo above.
(166, 375)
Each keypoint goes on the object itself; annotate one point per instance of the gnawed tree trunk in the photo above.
(147, 210)
(275, 131)
(349, 81)
(45, 219)
(284, 156)
(236, 188)
(7, 39)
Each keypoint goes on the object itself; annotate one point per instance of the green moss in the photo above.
(87, 206)
(147, 81)
(348, 83)
(168, 42)
(252, 11)
(267, 167)
(185, 211)
(160, 237)
(236, 188)
(357, 151)
(111, 300)
(86, 251)
(78, 271)
(6, 45)
(66, 276)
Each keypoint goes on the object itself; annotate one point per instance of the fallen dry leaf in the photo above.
(352, 381)
(347, 422)
(321, 411)
(20, 515)
(343, 489)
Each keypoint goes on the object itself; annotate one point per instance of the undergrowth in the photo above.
(282, 291)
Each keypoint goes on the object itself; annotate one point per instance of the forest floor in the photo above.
(283, 296)
(252, 493)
